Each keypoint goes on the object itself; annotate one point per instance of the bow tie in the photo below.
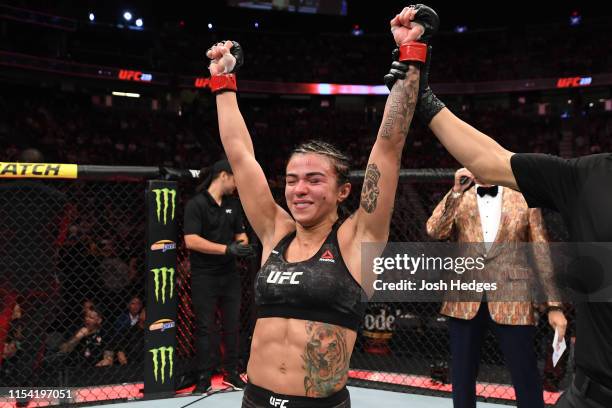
(482, 191)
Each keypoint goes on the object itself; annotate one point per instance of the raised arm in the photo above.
(478, 152)
(373, 218)
(441, 224)
(259, 206)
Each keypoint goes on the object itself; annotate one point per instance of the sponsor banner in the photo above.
(38, 170)
(160, 338)
(162, 324)
(165, 204)
(163, 282)
(163, 245)
(162, 359)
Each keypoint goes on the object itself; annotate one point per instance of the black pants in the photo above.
(257, 397)
(207, 293)
(517, 345)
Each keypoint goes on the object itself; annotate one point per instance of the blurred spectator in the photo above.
(116, 277)
(130, 342)
(130, 317)
(90, 345)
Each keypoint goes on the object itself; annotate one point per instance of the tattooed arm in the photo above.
(371, 223)
(382, 173)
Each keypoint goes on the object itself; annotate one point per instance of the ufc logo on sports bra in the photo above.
(276, 402)
(283, 278)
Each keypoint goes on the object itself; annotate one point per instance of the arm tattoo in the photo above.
(400, 106)
(326, 359)
(370, 190)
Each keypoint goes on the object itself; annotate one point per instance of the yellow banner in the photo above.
(38, 170)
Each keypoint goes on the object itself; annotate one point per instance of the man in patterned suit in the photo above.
(491, 215)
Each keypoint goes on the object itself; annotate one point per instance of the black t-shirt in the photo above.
(216, 223)
(90, 350)
(581, 190)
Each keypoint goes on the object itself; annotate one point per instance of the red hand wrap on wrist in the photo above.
(413, 51)
(225, 82)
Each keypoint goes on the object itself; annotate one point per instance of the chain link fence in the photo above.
(71, 307)
(405, 346)
(72, 290)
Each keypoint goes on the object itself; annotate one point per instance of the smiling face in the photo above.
(311, 188)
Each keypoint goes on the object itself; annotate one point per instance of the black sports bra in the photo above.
(319, 289)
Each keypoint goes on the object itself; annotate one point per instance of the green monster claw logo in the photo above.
(167, 275)
(164, 197)
(162, 353)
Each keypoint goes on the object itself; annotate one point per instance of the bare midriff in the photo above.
(300, 357)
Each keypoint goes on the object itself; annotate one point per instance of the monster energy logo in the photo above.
(163, 198)
(167, 274)
(162, 353)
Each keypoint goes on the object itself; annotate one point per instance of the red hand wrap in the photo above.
(225, 82)
(413, 51)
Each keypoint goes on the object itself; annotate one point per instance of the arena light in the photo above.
(139, 22)
(126, 94)
(92, 17)
(575, 18)
(461, 29)
(127, 16)
(301, 88)
(256, 24)
(210, 26)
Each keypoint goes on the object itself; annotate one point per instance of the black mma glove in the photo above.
(239, 250)
(428, 105)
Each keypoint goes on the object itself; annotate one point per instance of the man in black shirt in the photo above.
(215, 234)
(581, 190)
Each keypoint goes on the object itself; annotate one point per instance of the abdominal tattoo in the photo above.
(370, 190)
(326, 359)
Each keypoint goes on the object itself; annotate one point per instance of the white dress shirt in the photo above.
(490, 215)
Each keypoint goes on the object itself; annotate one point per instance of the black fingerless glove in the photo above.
(239, 250)
(428, 106)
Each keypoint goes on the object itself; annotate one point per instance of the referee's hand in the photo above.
(240, 250)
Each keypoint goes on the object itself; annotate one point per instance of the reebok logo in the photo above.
(228, 210)
(279, 403)
(283, 278)
(327, 257)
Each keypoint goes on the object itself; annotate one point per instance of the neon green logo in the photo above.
(162, 353)
(165, 198)
(167, 275)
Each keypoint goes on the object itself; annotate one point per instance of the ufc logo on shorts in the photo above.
(284, 277)
(280, 403)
